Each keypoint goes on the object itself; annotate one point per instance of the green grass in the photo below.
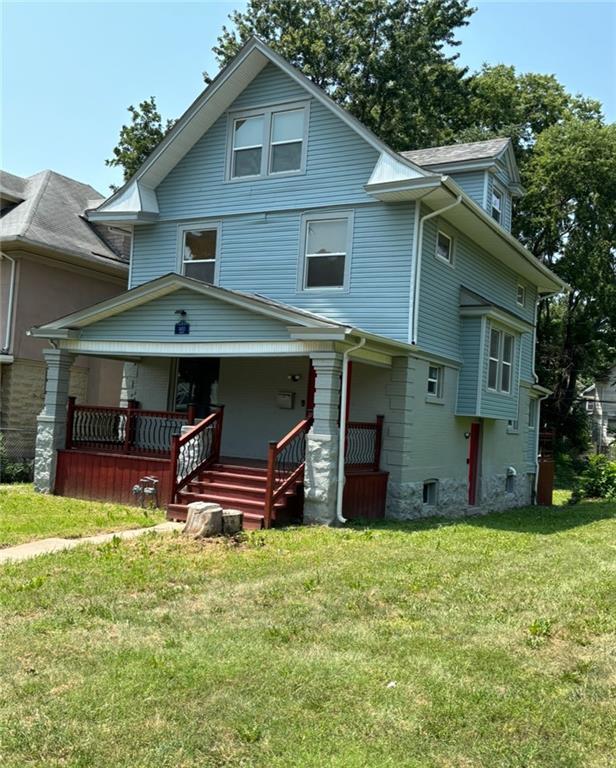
(26, 515)
(486, 642)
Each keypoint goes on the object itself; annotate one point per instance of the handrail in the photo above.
(364, 442)
(286, 460)
(123, 429)
(196, 449)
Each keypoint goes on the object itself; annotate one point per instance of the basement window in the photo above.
(510, 484)
(430, 493)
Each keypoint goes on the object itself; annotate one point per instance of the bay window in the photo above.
(500, 361)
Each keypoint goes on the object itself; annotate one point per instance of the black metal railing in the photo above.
(285, 465)
(193, 451)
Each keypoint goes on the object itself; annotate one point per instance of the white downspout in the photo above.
(423, 219)
(342, 431)
(9, 309)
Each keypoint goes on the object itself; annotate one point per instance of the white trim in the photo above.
(499, 316)
(302, 271)
(134, 349)
(482, 358)
(497, 191)
(202, 225)
(486, 187)
(414, 260)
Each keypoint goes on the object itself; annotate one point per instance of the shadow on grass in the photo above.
(540, 520)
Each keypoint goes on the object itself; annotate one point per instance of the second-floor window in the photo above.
(444, 247)
(326, 245)
(497, 204)
(500, 361)
(268, 142)
(199, 252)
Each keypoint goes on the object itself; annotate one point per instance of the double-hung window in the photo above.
(444, 247)
(435, 381)
(500, 361)
(326, 243)
(268, 142)
(199, 251)
(497, 204)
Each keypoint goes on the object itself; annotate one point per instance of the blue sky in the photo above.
(69, 70)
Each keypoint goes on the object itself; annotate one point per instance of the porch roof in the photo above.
(142, 321)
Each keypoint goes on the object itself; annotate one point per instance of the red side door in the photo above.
(473, 462)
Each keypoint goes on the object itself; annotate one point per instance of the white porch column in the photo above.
(51, 422)
(320, 478)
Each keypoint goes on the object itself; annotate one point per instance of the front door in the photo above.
(195, 381)
(473, 462)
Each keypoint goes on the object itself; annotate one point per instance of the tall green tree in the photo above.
(391, 63)
(137, 139)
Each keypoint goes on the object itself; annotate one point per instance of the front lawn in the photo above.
(26, 515)
(489, 642)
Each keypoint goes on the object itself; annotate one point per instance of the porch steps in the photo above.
(237, 487)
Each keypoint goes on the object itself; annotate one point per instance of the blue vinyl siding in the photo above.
(261, 219)
(439, 311)
(469, 375)
(210, 320)
(338, 164)
(473, 183)
(260, 253)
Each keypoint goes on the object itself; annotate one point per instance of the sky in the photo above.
(70, 70)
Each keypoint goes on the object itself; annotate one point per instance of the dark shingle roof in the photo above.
(50, 215)
(457, 153)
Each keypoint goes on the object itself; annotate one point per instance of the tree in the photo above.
(384, 60)
(139, 138)
(568, 219)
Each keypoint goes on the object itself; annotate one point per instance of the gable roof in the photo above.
(45, 210)
(137, 195)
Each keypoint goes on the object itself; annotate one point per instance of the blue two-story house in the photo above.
(363, 315)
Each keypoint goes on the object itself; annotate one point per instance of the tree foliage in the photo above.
(391, 63)
(137, 139)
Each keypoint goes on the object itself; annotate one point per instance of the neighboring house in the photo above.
(600, 404)
(52, 261)
(275, 240)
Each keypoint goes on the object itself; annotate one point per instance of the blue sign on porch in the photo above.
(182, 328)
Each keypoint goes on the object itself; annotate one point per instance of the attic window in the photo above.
(199, 252)
(497, 204)
(268, 142)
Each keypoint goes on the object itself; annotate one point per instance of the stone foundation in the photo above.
(405, 500)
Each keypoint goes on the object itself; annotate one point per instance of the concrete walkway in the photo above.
(46, 546)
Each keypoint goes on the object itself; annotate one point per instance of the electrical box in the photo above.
(285, 400)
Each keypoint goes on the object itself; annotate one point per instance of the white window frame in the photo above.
(449, 237)
(438, 394)
(199, 226)
(500, 361)
(302, 271)
(266, 112)
(499, 194)
(521, 290)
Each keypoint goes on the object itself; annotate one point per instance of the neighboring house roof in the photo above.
(458, 153)
(45, 211)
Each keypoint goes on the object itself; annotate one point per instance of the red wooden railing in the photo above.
(286, 460)
(364, 440)
(195, 450)
(129, 430)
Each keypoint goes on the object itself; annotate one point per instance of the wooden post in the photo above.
(269, 486)
(378, 442)
(175, 456)
(70, 420)
(191, 413)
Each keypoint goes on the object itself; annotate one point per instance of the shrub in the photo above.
(597, 481)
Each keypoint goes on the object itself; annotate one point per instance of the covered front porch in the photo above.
(253, 424)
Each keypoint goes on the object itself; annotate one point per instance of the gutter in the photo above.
(418, 257)
(6, 347)
(342, 431)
